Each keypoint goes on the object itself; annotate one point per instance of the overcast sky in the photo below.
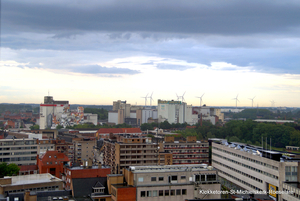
(98, 51)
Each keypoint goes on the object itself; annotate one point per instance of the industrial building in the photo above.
(54, 113)
(179, 112)
(258, 170)
(172, 111)
(132, 115)
(51, 111)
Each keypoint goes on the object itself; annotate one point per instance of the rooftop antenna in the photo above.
(48, 92)
(252, 100)
(236, 100)
(200, 97)
(145, 99)
(151, 99)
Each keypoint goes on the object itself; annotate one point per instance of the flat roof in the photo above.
(32, 179)
(171, 168)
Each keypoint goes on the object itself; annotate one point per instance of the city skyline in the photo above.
(102, 51)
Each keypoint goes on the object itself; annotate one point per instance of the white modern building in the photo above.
(171, 111)
(254, 169)
(51, 110)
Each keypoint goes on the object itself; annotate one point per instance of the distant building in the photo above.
(54, 113)
(171, 111)
(132, 115)
(206, 113)
(105, 132)
(273, 121)
(51, 110)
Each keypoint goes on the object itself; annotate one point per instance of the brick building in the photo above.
(52, 162)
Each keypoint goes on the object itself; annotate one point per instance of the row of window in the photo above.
(173, 178)
(241, 181)
(15, 142)
(249, 159)
(46, 188)
(18, 159)
(238, 171)
(247, 166)
(161, 193)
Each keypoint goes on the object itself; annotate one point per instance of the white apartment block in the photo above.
(255, 169)
(19, 151)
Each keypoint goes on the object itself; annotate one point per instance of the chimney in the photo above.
(99, 165)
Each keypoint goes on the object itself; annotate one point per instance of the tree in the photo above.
(8, 170)
(12, 169)
(59, 127)
(35, 127)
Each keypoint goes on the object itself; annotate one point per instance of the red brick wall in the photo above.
(127, 194)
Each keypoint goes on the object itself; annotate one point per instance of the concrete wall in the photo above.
(113, 117)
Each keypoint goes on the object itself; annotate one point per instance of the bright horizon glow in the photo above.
(220, 86)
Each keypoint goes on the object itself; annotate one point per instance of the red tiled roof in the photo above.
(28, 167)
(110, 130)
(131, 130)
(119, 130)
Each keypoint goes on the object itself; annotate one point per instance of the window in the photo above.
(178, 192)
(172, 192)
(212, 177)
(160, 178)
(166, 192)
(153, 178)
(174, 178)
(160, 193)
(183, 177)
(154, 193)
(149, 193)
(141, 179)
(183, 191)
(143, 193)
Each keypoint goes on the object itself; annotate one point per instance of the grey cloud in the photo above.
(263, 34)
(232, 17)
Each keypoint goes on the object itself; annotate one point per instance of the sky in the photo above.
(100, 51)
